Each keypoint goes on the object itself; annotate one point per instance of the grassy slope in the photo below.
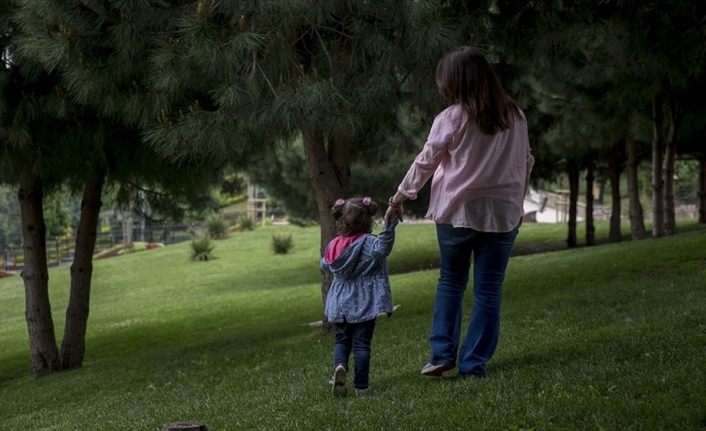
(608, 337)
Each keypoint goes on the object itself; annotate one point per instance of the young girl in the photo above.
(360, 288)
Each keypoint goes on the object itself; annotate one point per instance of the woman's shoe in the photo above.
(364, 392)
(430, 370)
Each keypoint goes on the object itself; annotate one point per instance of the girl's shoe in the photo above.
(339, 382)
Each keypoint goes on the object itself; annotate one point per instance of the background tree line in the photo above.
(161, 96)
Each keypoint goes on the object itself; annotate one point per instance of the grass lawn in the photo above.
(608, 337)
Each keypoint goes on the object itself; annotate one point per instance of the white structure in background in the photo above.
(546, 207)
(257, 203)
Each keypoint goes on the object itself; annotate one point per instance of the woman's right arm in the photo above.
(427, 161)
(435, 149)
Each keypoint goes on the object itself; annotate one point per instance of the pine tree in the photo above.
(668, 40)
(96, 96)
(623, 56)
(333, 74)
(26, 137)
(692, 135)
(41, 131)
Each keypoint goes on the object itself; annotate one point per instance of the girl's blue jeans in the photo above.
(491, 252)
(355, 337)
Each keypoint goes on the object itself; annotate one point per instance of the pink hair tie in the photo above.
(367, 201)
(340, 202)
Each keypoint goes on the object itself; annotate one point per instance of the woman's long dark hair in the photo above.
(464, 76)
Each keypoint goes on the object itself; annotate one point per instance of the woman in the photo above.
(479, 155)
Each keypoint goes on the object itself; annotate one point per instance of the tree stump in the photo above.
(184, 426)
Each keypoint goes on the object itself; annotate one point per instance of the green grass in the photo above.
(608, 337)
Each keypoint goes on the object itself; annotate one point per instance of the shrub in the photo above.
(281, 244)
(201, 248)
(246, 223)
(216, 227)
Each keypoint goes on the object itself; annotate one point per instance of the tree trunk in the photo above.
(73, 345)
(702, 190)
(614, 168)
(43, 353)
(573, 171)
(329, 171)
(127, 226)
(670, 155)
(590, 227)
(637, 217)
(657, 160)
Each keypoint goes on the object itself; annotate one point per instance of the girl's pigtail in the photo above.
(370, 205)
(337, 209)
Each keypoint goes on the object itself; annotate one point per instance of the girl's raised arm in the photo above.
(382, 246)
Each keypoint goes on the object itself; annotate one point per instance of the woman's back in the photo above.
(479, 179)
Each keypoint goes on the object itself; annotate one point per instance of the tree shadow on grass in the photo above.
(14, 367)
(170, 340)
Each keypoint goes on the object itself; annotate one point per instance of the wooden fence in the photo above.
(61, 251)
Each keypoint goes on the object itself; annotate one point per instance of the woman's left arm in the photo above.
(529, 164)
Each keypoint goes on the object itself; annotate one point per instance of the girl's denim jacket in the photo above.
(361, 287)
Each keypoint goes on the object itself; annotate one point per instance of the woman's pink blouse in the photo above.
(479, 181)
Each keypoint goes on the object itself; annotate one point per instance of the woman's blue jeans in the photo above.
(355, 337)
(491, 252)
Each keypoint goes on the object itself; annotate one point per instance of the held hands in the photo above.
(394, 211)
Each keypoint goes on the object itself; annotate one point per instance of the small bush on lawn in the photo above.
(201, 248)
(216, 227)
(246, 223)
(282, 244)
